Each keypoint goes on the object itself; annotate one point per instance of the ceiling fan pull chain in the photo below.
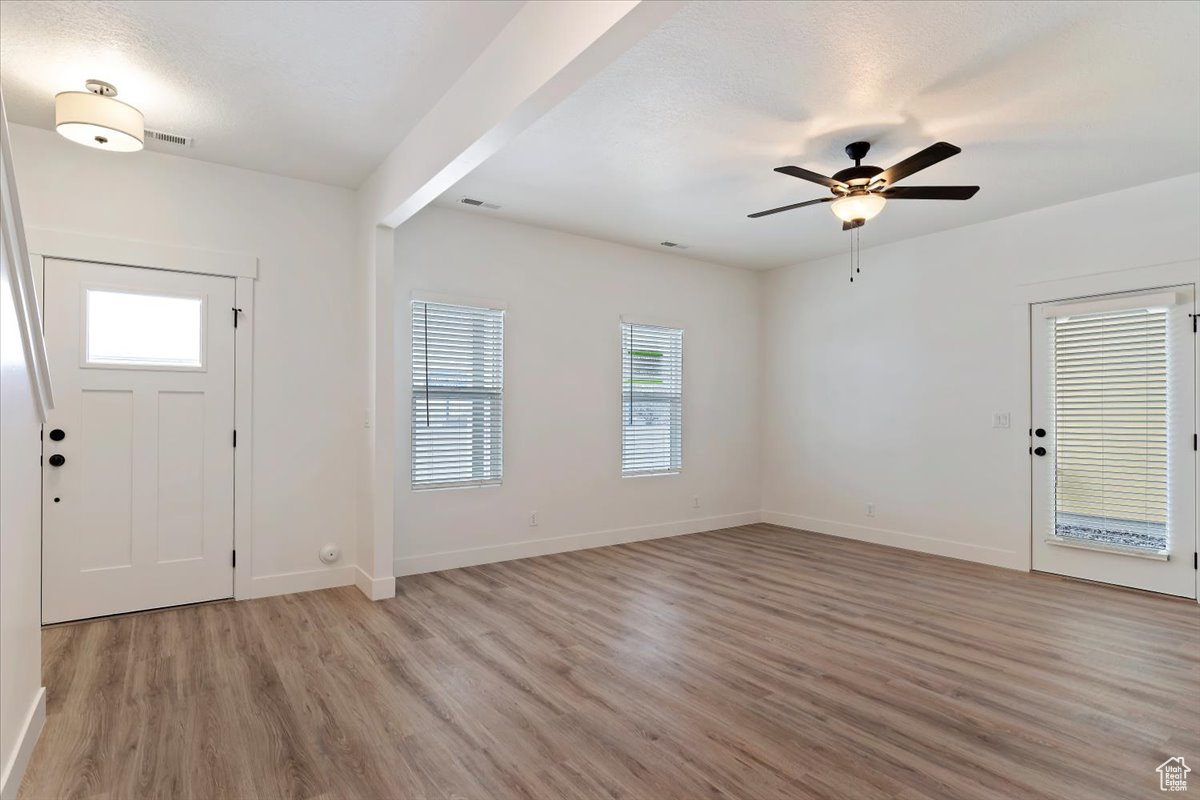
(858, 248)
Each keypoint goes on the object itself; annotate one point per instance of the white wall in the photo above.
(20, 540)
(565, 296)
(883, 391)
(309, 364)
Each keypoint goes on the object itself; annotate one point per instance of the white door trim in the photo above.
(244, 269)
(1126, 280)
(72, 246)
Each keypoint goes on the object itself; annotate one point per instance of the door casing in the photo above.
(1173, 575)
(243, 268)
(1025, 296)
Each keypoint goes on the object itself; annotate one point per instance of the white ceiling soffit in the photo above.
(316, 90)
(677, 139)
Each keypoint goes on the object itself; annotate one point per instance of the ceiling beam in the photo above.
(547, 51)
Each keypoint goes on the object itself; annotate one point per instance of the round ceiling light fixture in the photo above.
(96, 119)
(859, 207)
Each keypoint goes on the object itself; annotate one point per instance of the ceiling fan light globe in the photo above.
(855, 207)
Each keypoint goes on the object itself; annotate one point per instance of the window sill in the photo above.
(448, 486)
(652, 474)
(1115, 549)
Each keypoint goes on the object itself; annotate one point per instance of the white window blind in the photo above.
(457, 387)
(1110, 406)
(652, 399)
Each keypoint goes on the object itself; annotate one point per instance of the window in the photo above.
(131, 329)
(1110, 416)
(651, 400)
(458, 376)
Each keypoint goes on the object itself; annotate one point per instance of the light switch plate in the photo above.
(1001, 419)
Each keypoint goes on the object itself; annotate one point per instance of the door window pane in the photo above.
(1110, 411)
(134, 329)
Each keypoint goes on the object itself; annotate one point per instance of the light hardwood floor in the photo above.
(753, 662)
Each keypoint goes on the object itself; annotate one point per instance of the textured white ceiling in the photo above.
(677, 140)
(314, 90)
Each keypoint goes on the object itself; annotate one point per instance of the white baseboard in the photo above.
(908, 541)
(14, 769)
(307, 581)
(374, 588)
(452, 559)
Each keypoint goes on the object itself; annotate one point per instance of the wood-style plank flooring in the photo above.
(748, 663)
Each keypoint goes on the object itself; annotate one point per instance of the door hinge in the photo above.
(1194, 318)
(1195, 441)
(235, 437)
(1195, 560)
(233, 557)
(236, 311)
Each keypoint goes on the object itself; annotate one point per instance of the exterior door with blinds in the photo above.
(1114, 416)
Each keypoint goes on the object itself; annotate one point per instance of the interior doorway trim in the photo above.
(1134, 279)
(45, 243)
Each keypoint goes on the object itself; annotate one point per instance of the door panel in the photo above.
(105, 477)
(1114, 465)
(180, 523)
(138, 513)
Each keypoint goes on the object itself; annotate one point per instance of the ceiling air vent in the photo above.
(470, 201)
(162, 137)
(676, 245)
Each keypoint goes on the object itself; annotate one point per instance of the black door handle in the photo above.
(1040, 432)
(58, 434)
(57, 460)
(1039, 451)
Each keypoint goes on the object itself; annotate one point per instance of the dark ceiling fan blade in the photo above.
(793, 205)
(930, 192)
(809, 175)
(918, 161)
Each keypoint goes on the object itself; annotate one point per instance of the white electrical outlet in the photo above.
(695, 501)
(1001, 419)
(533, 519)
(870, 509)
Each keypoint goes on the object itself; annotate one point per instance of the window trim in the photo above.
(430, 298)
(649, 322)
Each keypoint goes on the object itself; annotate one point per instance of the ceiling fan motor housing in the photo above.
(856, 176)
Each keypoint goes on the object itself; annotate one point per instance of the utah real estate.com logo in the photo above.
(1172, 775)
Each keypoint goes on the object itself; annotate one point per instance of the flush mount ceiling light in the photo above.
(94, 118)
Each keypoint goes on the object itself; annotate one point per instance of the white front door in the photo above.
(137, 455)
(1112, 444)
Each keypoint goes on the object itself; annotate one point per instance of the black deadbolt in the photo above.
(1040, 432)
(1039, 451)
(57, 460)
(58, 434)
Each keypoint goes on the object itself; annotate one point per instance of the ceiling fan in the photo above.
(860, 193)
